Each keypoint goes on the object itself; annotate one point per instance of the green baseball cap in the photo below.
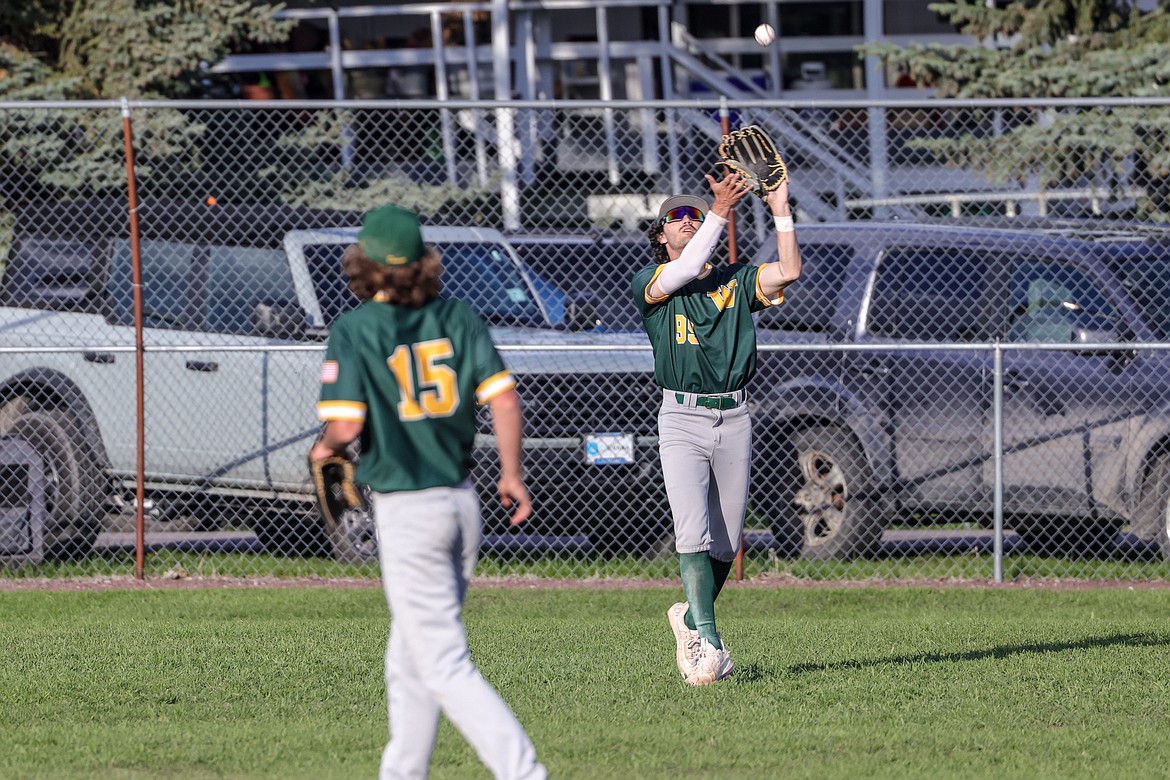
(391, 235)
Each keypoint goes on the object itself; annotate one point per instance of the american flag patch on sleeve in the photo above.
(329, 372)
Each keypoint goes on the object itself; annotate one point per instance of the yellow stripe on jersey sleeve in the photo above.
(707, 269)
(493, 386)
(764, 299)
(650, 298)
(341, 410)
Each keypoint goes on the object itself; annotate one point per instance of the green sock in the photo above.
(720, 570)
(698, 581)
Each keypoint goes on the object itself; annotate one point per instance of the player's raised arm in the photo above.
(690, 236)
(774, 277)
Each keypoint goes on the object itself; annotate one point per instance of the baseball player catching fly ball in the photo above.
(699, 321)
(404, 371)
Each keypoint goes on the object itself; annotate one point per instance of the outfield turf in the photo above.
(896, 682)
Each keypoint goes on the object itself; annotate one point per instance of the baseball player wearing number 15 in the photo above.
(404, 371)
(699, 321)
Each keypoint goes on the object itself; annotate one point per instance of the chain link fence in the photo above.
(969, 381)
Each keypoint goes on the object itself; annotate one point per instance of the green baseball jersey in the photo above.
(413, 377)
(703, 334)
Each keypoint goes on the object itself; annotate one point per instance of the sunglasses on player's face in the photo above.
(677, 214)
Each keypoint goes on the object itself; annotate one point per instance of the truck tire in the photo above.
(354, 538)
(839, 517)
(73, 495)
(1154, 503)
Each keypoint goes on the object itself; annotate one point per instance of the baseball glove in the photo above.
(337, 493)
(750, 152)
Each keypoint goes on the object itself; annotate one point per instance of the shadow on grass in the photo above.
(752, 673)
(1129, 640)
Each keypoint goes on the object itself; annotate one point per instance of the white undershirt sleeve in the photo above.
(694, 257)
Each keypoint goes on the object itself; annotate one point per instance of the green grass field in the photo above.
(875, 682)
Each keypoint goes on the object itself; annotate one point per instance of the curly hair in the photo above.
(657, 248)
(412, 286)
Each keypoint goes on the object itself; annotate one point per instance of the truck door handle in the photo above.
(874, 368)
(98, 357)
(202, 365)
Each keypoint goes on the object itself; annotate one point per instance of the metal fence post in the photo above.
(997, 455)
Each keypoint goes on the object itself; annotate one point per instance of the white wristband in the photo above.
(784, 224)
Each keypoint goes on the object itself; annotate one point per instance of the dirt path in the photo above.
(126, 582)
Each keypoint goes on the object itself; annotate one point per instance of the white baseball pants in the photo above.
(428, 541)
(706, 467)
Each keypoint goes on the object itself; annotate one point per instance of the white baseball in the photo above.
(765, 34)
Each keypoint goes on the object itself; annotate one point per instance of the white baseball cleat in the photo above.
(714, 664)
(686, 641)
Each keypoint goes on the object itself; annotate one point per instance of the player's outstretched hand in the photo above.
(728, 191)
(514, 494)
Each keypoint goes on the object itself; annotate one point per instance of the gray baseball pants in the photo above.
(706, 465)
(428, 541)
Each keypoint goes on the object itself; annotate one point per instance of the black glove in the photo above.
(336, 490)
(750, 152)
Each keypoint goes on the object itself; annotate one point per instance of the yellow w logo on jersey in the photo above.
(724, 297)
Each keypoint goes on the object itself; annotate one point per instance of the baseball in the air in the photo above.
(765, 34)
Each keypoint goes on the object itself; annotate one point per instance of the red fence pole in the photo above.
(139, 353)
(732, 257)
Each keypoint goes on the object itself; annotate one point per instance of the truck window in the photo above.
(329, 283)
(166, 274)
(487, 278)
(930, 294)
(600, 266)
(1148, 281)
(46, 273)
(1048, 299)
(810, 301)
(238, 278)
(197, 286)
(483, 275)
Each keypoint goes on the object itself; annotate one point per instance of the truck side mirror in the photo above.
(1103, 333)
(281, 319)
(1096, 334)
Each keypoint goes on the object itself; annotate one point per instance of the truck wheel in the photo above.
(1154, 503)
(839, 519)
(73, 496)
(354, 538)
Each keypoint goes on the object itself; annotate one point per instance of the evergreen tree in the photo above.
(108, 49)
(139, 49)
(1056, 49)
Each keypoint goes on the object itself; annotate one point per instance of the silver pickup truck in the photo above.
(236, 304)
(899, 426)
